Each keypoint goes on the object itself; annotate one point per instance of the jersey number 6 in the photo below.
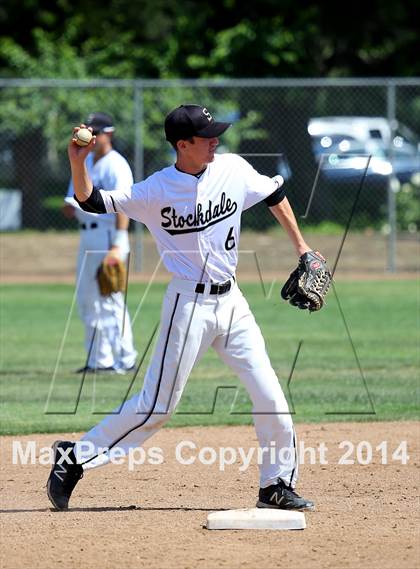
(230, 240)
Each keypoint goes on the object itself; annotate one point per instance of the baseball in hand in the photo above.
(83, 136)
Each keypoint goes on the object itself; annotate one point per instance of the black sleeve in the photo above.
(276, 197)
(94, 203)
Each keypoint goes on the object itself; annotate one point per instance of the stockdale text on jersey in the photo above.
(200, 219)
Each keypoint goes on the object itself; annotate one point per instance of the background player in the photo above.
(193, 209)
(109, 343)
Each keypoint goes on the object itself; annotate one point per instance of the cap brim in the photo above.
(213, 129)
(101, 129)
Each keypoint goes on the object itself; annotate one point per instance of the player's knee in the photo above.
(277, 412)
(157, 422)
(286, 421)
(161, 414)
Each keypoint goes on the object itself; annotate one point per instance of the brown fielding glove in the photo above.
(111, 276)
(308, 285)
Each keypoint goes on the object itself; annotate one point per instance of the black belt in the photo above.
(216, 288)
(88, 225)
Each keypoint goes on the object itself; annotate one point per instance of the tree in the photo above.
(229, 38)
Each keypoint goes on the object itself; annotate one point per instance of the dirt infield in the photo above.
(51, 257)
(153, 516)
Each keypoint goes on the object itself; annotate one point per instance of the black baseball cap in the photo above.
(192, 120)
(100, 122)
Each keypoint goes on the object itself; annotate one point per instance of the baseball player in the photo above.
(193, 209)
(108, 335)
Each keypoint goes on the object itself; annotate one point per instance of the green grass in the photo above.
(327, 385)
(322, 228)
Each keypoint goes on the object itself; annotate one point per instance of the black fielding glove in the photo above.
(308, 284)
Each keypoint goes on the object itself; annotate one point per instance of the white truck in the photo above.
(345, 143)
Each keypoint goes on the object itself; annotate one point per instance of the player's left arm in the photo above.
(308, 284)
(120, 177)
(121, 222)
(120, 237)
(283, 212)
(273, 193)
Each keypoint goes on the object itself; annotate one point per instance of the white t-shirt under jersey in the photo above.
(111, 172)
(196, 221)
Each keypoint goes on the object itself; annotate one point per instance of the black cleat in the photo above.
(282, 497)
(64, 475)
(105, 370)
(88, 369)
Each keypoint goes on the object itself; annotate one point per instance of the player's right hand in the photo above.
(78, 153)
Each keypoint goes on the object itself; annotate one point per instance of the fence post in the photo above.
(392, 182)
(138, 168)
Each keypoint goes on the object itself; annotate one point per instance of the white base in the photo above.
(256, 518)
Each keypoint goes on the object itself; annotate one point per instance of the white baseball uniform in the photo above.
(196, 223)
(108, 342)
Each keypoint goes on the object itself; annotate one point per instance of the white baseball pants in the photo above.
(190, 324)
(108, 335)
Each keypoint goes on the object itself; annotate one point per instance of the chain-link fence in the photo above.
(348, 149)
